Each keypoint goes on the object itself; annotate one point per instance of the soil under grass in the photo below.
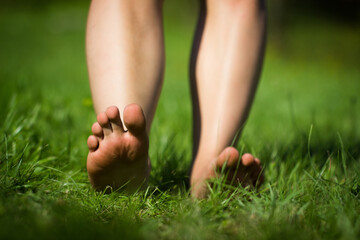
(304, 125)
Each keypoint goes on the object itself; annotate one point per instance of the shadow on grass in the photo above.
(170, 167)
(171, 164)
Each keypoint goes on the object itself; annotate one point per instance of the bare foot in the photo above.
(119, 158)
(246, 171)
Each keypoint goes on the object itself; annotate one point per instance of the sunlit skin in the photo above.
(125, 55)
(119, 158)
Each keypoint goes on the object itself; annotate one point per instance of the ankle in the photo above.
(205, 154)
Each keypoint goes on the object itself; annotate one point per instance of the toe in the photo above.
(229, 155)
(92, 143)
(97, 130)
(103, 120)
(114, 116)
(134, 119)
(247, 159)
(254, 169)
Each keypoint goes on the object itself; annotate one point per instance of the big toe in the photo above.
(134, 119)
(229, 155)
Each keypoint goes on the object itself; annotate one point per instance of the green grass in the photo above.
(304, 125)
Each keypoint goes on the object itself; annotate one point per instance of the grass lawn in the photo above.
(304, 126)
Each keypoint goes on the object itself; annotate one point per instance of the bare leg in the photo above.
(226, 63)
(125, 55)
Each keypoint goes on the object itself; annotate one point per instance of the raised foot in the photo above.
(246, 171)
(118, 158)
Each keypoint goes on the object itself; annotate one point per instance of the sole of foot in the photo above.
(244, 171)
(118, 158)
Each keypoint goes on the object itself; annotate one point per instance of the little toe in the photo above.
(103, 120)
(114, 116)
(134, 119)
(92, 143)
(97, 130)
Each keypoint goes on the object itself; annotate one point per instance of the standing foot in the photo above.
(246, 171)
(118, 158)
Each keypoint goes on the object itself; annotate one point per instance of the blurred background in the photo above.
(304, 126)
(310, 80)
